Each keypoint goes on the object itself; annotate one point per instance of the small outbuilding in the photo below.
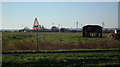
(92, 31)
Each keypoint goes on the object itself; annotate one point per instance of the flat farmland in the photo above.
(63, 60)
(54, 41)
(49, 43)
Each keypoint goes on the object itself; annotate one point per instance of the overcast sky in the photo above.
(22, 14)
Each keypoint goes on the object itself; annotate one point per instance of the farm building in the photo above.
(92, 31)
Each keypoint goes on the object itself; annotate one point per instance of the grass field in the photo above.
(61, 51)
(54, 41)
(63, 60)
(24, 42)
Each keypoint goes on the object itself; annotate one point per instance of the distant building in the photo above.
(54, 28)
(64, 30)
(26, 29)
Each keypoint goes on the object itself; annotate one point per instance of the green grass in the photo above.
(12, 37)
(63, 60)
(53, 51)
(14, 42)
(54, 41)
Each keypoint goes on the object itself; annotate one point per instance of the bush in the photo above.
(113, 36)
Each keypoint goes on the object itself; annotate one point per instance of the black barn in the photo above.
(92, 31)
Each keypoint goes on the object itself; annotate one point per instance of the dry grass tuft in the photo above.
(26, 45)
(113, 36)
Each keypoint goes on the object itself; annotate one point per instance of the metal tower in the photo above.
(77, 25)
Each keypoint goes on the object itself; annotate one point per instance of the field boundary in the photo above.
(60, 51)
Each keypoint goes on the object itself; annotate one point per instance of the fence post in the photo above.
(37, 39)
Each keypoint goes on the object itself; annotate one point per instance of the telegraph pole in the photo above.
(53, 24)
(77, 26)
(103, 24)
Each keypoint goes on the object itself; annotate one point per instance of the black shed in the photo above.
(92, 31)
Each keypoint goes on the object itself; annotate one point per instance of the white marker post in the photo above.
(115, 31)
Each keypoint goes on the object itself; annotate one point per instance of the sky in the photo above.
(0, 15)
(21, 14)
(119, 15)
(60, 0)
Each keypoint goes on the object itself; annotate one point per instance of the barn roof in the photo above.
(92, 26)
